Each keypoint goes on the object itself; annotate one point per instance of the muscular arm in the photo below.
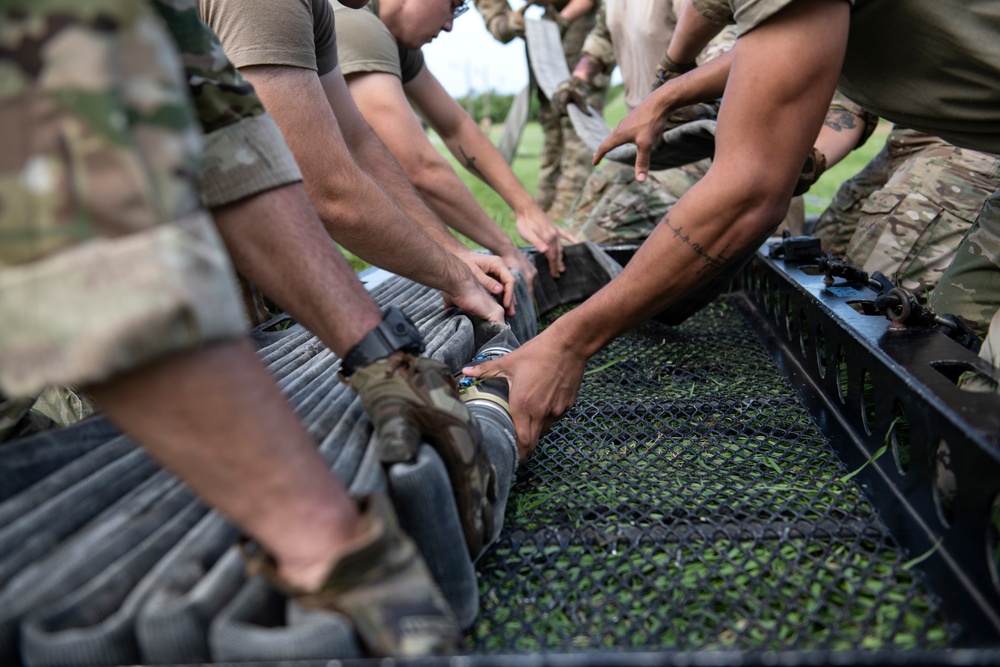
(380, 98)
(277, 241)
(375, 158)
(356, 211)
(477, 154)
(783, 76)
(692, 34)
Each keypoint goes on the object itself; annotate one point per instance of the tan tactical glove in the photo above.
(811, 171)
(508, 26)
(383, 586)
(571, 91)
(552, 14)
(668, 69)
(411, 399)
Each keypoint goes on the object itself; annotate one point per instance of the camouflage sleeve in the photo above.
(245, 153)
(716, 11)
(598, 42)
(107, 259)
(842, 103)
(494, 13)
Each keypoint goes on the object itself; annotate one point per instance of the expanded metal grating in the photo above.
(689, 501)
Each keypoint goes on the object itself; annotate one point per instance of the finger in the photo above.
(526, 433)
(489, 369)
(567, 235)
(641, 162)
(509, 301)
(610, 143)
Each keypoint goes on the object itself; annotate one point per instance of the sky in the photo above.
(469, 58)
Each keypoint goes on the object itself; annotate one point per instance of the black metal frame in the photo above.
(817, 337)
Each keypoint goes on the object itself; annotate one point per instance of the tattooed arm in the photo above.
(783, 75)
(382, 102)
(475, 152)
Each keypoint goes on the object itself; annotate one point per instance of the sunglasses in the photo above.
(460, 9)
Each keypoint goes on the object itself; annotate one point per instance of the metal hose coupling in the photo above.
(490, 396)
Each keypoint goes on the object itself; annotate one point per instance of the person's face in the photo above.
(425, 21)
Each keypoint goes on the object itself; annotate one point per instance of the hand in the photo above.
(414, 399)
(552, 14)
(668, 69)
(543, 387)
(573, 90)
(486, 268)
(811, 171)
(643, 126)
(511, 26)
(474, 300)
(515, 259)
(537, 229)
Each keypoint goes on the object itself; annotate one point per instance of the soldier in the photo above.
(778, 83)
(379, 52)
(114, 279)
(566, 160)
(909, 225)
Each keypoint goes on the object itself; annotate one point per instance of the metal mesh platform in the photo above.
(689, 501)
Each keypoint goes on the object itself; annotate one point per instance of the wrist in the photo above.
(395, 333)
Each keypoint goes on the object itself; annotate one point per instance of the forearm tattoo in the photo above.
(711, 263)
(470, 163)
(839, 120)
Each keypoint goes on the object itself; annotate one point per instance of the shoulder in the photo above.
(364, 43)
(263, 32)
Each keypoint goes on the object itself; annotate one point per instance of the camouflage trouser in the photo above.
(107, 258)
(566, 160)
(613, 206)
(970, 287)
(909, 228)
(839, 221)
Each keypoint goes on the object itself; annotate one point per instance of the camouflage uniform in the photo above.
(910, 228)
(108, 258)
(566, 160)
(613, 206)
(970, 287)
(905, 213)
(839, 221)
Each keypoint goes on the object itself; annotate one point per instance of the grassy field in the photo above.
(527, 161)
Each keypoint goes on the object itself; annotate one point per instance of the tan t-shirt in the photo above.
(297, 33)
(640, 32)
(930, 65)
(364, 45)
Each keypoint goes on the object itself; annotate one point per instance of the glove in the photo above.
(668, 69)
(811, 171)
(411, 399)
(571, 91)
(509, 26)
(552, 14)
(382, 585)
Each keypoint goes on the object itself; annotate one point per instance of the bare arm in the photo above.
(783, 76)
(840, 134)
(574, 9)
(475, 151)
(356, 211)
(692, 34)
(277, 241)
(380, 99)
(375, 158)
